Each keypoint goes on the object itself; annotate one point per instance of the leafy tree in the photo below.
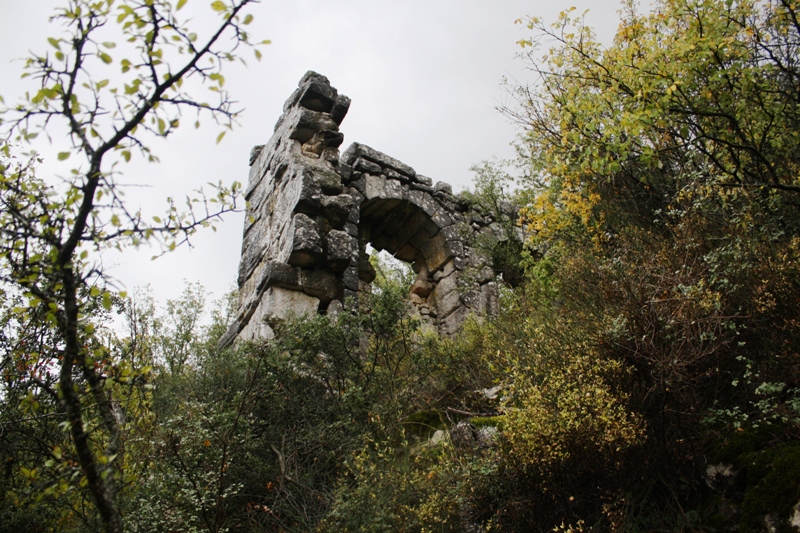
(50, 228)
(663, 195)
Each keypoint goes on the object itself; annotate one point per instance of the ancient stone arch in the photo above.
(311, 213)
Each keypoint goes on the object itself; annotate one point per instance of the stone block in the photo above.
(443, 187)
(317, 95)
(323, 143)
(340, 108)
(355, 150)
(322, 284)
(279, 304)
(436, 252)
(345, 172)
(255, 331)
(380, 187)
(394, 175)
(421, 187)
(425, 180)
(421, 288)
(411, 225)
(442, 218)
(483, 274)
(351, 279)
(329, 181)
(446, 270)
(341, 250)
(334, 308)
(310, 77)
(337, 209)
(359, 184)
(306, 244)
(396, 218)
(229, 335)
(450, 325)
(446, 296)
(254, 153)
(268, 274)
(252, 251)
(304, 123)
(366, 272)
(365, 165)
(490, 299)
(301, 192)
(455, 232)
(454, 248)
(407, 253)
(277, 274)
(429, 204)
(378, 208)
(276, 304)
(351, 229)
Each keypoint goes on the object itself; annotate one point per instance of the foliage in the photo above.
(495, 195)
(663, 199)
(51, 227)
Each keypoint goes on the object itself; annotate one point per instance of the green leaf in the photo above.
(248, 19)
(181, 3)
(110, 44)
(218, 5)
(54, 42)
(220, 136)
(63, 155)
(102, 83)
(104, 57)
(107, 300)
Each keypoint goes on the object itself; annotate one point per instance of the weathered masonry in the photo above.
(312, 212)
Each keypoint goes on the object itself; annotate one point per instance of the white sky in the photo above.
(424, 77)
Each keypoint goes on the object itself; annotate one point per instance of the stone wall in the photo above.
(311, 213)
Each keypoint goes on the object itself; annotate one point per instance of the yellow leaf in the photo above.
(181, 3)
(218, 5)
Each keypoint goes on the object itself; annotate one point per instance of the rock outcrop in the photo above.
(311, 213)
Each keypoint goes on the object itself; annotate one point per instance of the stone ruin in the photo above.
(312, 212)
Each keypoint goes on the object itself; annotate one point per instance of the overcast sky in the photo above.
(424, 77)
